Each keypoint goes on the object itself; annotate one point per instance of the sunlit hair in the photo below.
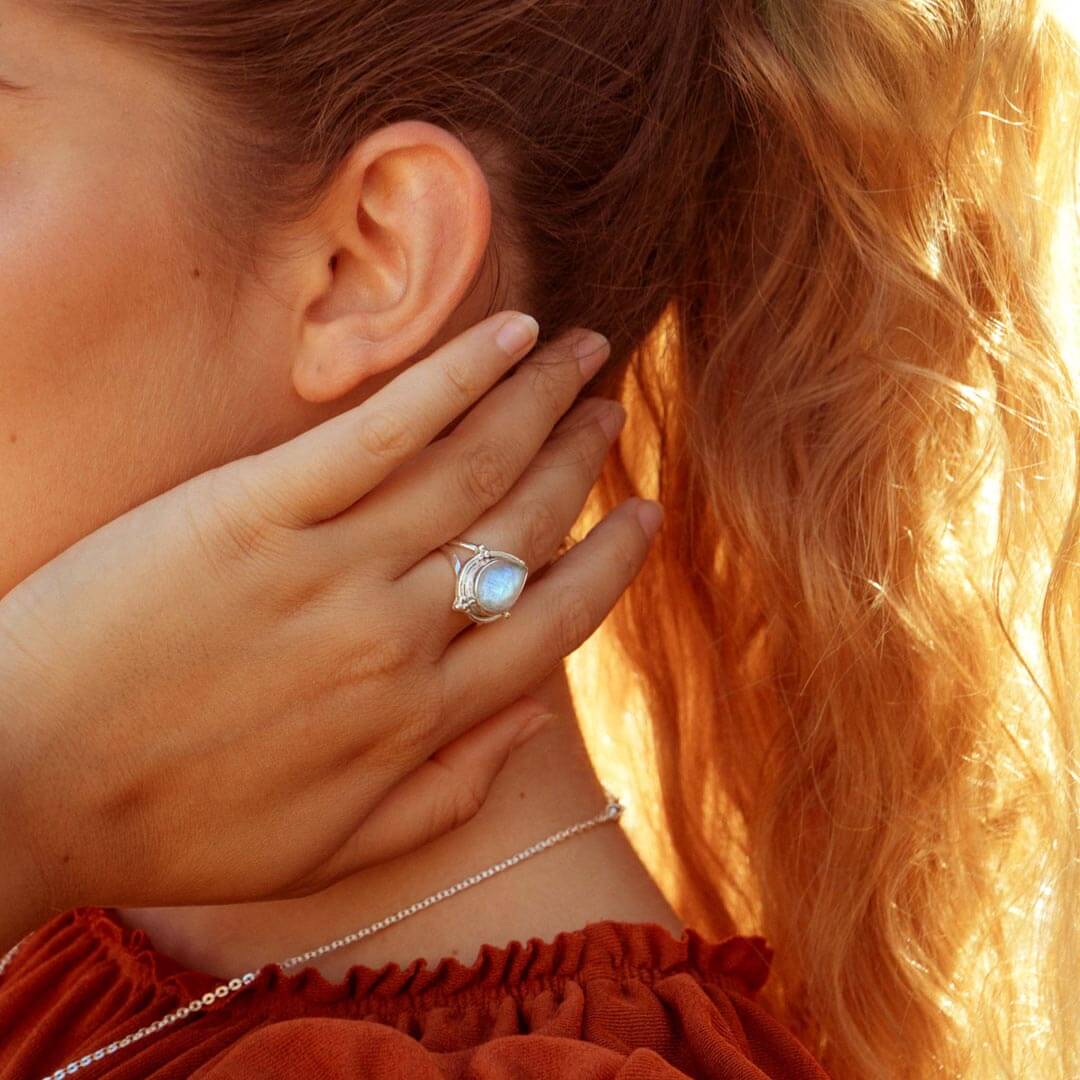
(821, 236)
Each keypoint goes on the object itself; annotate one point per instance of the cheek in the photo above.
(100, 350)
(76, 271)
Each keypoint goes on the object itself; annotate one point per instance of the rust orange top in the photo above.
(611, 1000)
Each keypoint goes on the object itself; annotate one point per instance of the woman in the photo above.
(820, 240)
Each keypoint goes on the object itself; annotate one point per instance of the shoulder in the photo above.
(612, 999)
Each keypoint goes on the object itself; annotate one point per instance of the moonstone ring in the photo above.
(488, 584)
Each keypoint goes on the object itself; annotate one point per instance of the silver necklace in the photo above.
(611, 812)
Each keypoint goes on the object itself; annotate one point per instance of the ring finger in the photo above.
(461, 476)
(534, 517)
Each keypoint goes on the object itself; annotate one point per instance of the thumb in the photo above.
(443, 793)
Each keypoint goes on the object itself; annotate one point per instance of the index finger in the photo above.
(323, 471)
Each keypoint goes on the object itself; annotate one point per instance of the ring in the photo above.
(488, 584)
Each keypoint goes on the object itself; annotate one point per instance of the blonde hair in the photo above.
(831, 242)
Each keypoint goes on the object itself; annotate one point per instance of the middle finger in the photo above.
(457, 478)
(533, 519)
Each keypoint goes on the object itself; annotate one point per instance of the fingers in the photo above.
(461, 476)
(553, 617)
(325, 470)
(441, 794)
(535, 516)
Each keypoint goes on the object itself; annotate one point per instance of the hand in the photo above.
(253, 684)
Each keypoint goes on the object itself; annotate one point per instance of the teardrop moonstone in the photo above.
(499, 585)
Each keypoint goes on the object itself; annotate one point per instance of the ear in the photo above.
(400, 237)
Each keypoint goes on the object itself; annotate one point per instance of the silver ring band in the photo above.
(488, 583)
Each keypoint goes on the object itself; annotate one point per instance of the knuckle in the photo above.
(383, 435)
(574, 621)
(244, 481)
(382, 656)
(223, 526)
(245, 535)
(424, 724)
(430, 715)
(421, 730)
(485, 473)
(467, 802)
(243, 485)
(458, 800)
(427, 720)
(461, 382)
(544, 532)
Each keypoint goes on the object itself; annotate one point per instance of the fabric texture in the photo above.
(611, 1000)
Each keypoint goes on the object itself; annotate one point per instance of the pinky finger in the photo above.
(553, 617)
(441, 794)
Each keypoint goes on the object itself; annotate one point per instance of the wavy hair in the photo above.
(831, 243)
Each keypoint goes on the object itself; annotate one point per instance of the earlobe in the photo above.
(402, 236)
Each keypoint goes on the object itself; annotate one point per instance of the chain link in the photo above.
(610, 813)
(6, 958)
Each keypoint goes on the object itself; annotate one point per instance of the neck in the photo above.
(547, 785)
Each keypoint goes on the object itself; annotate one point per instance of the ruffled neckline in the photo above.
(605, 949)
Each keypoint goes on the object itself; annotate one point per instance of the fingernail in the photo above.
(611, 419)
(517, 333)
(591, 350)
(650, 515)
(531, 727)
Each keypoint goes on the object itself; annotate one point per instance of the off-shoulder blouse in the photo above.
(611, 1000)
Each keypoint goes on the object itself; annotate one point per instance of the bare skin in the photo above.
(118, 326)
(548, 783)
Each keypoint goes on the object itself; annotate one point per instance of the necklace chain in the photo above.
(611, 812)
